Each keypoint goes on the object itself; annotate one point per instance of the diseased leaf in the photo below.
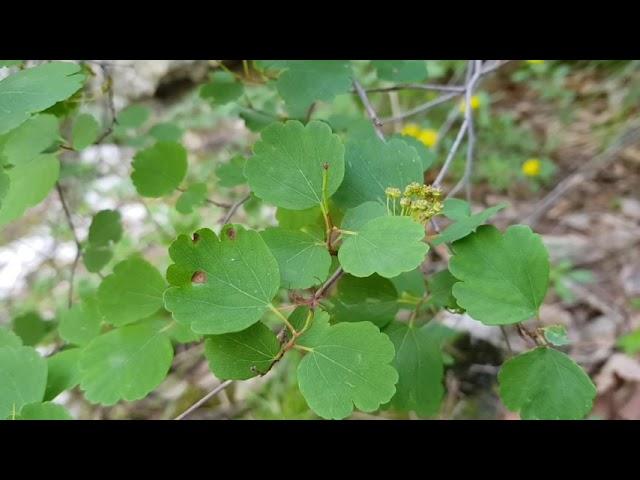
(242, 355)
(345, 365)
(545, 384)
(465, 223)
(158, 170)
(35, 89)
(419, 364)
(125, 364)
(23, 378)
(133, 291)
(289, 161)
(371, 166)
(503, 277)
(303, 260)
(224, 284)
(387, 246)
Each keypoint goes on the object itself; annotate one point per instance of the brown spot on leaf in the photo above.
(196, 237)
(231, 233)
(199, 277)
(325, 165)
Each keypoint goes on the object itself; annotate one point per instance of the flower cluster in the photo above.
(475, 104)
(420, 202)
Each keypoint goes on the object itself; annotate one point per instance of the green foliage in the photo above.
(242, 355)
(387, 246)
(347, 259)
(221, 284)
(345, 365)
(545, 384)
(629, 343)
(158, 170)
(503, 277)
(289, 163)
(35, 89)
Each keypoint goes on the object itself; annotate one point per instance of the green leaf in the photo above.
(303, 260)
(85, 131)
(227, 283)
(105, 228)
(81, 323)
(419, 364)
(26, 189)
(182, 333)
(31, 328)
(355, 218)
(256, 121)
(411, 282)
(10, 63)
(231, 174)
(4, 185)
(308, 220)
(133, 116)
(465, 223)
(288, 164)
(194, 196)
(373, 299)
(9, 339)
(33, 137)
(372, 166)
(35, 89)
(630, 343)
(222, 89)
(440, 289)
(44, 411)
(166, 132)
(427, 156)
(556, 335)
(387, 246)
(125, 364)
(23, 378)
(132, 292)
(503, 277)
(401, 70)
(96, 258)
(63, 372)
(158, 170)
(546, 384)
(307, 81)
(242, 355)
(345, 365)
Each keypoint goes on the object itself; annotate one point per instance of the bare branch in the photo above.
(67, 215)
(234, 208)
(421, 108)
(204, 399)
(369, 108)
(417, 86)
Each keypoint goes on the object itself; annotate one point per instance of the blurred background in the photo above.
(556, 140)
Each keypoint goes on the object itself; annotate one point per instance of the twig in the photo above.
(421, 108)
(208, 200)
(67, 214)
(452, 153)
(110, 105)
(369, 108)
(204, 399)
(322, 291)
(232, 210)
(416, 86)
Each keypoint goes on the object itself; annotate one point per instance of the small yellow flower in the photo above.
(535, 62)
(475, 103)
(532, 167)
(429, 137)
(411, 129)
